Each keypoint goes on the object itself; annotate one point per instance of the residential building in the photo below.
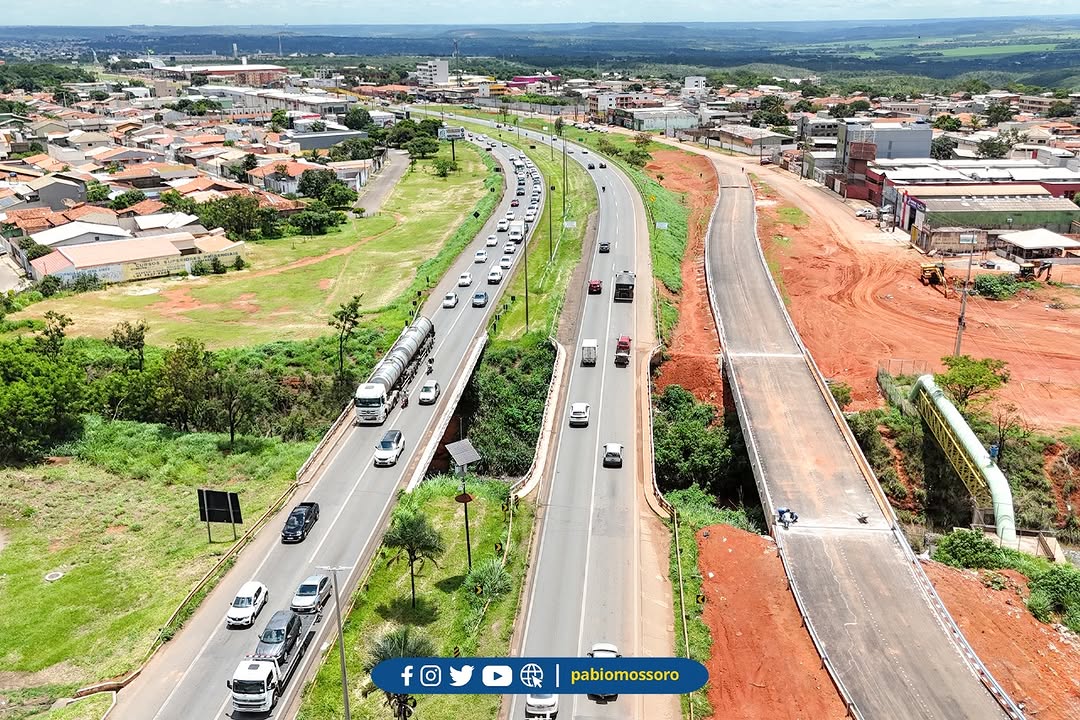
(432, 73)
(694, 86)
(814, 126)
(601, 103)
(1035, 104)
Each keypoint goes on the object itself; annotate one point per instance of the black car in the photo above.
(592, 166)
(280, 635)
(603, 165)
(605, 246)
(302, 518)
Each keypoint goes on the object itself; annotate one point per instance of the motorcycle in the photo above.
(404, 401)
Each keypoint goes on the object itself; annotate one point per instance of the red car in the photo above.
(515, 202)
(595, 287)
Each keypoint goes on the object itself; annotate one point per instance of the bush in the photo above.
(841, 392)
(1061, 586)
(491, 577)
(49, 285)
(1000, 287)
(1039, 605)
(239, 263)
(200, 268)
(969, 549)
(216, 266)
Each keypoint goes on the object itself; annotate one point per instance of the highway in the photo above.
(186, 679)
(585, 585)
(864, 599)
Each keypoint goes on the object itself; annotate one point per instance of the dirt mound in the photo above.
(763, 663)
(858, 302)
(692, 355)
(1037, 664)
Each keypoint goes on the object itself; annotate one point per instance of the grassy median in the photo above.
(447, 611)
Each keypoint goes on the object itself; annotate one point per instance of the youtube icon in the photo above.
(497, 675)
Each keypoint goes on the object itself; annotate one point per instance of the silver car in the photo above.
(312, 594)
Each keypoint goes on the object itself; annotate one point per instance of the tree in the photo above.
(199, 79)
(344, 320)
(318, 126)
(998, 113)
(607, 147)
(841, 110)
(642, 140)
(62, 96)
(96, 192)
(422, 147)
(947, 122)
(859, 105)
(559, 127)
(310, 222)
(51, 339)
(999, 146)
(400, 641)
(176, 202)
(637, 157)
(239, 215)
(357, 118)
(968, 378)
(768, 117)
(414, 538)
(279, 120)
(772, 103)
(185, 382)
(690, 449)
(802, 106)
(430, 127)
(401, 133)
(131, 339)
(339, 195)
(241, 169)
(314, 183)
(353, 149)
(126, 199)
(941, 148)
(1061, 109)
(240, 394)
(443, 166)
(41, 400)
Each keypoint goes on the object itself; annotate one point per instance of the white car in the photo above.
(247, 604)
(429, 393)
(312, 594)
(450, 300)
(579, 414)
(495, 276)
(530, 216)
(509, 248)
(542, 705)
(505, 262)
(389, 448)
(480, 256)
(604, 650)
(503, 225)
(492, 240)
(510, 215)
(464, 279)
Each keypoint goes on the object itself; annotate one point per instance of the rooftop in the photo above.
(1004, 204)
(1039, 239)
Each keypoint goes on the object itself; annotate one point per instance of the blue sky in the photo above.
(252, 12)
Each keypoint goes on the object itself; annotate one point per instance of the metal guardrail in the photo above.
(346, 413)
(933, 599)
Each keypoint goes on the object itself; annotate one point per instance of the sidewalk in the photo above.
(11, 275)
(374, 194)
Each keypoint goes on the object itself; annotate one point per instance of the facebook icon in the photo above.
(406, 675)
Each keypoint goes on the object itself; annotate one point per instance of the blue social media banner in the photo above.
(529, 676)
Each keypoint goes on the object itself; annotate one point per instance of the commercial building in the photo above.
(433, 72)
(666, 119)
(1035, 104)
(242, 74)
(860, 141)
(995, 215)
(1040, 244)
(601, 103)
(743, 139)
(885, 178)
(814, 126)
(248, 98)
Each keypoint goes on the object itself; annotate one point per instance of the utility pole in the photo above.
(551, 248)
(961, 323)
(341, 636)
(564, 179)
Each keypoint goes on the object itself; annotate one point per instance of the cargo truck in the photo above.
(624, 287)
(375, 398)
(258, 681)
(588, 352)
(622, 351)
(517, 231)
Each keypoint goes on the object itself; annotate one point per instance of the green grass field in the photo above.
(294, 283)
(121, 522)
(89, 708)
(443, 610)
(793, 216)
(981, 50)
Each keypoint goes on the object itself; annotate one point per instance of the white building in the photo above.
(694, 86)
(433, 72)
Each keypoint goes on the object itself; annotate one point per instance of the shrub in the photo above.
(491, 577)
(199, 268)
(969, 549)
(841, 392)
(1061, 586)
(1039, 605)
(216, 266)
(239, 263)
(49, 285)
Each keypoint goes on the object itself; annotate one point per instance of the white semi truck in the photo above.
(375, 398)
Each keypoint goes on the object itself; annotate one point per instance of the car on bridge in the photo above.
(612, 457)
(579, 414)
(312, 594)
(604, 650)
(389, 448)
(248, 603)
(429, 393)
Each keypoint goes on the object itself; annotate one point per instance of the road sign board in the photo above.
(661, 226)
(454, 132)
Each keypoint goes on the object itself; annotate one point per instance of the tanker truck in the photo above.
(375, 398)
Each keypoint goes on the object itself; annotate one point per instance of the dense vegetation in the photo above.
(506, 399)
(33, 77)
(1055, 587)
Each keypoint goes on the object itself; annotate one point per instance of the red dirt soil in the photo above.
(692, 354)
(1035, 663)
(857, 302)
(763, 663)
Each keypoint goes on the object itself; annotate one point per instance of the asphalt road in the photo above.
(585, 585)
(860, 591)
(187, 677)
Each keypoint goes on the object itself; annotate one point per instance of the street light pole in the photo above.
(341, 636)
(465, 498)
(564, 179)
(551, 248)
(961, 323)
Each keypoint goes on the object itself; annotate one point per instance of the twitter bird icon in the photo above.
(459, 677)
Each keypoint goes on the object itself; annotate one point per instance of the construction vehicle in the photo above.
(375, 398)
(934, 274)
(1034, 270)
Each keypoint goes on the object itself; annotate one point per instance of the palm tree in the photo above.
(398, 642)
(414, 538)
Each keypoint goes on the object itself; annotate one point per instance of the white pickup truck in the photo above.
(258, 681)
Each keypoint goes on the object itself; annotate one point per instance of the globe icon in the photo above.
(532, 675)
